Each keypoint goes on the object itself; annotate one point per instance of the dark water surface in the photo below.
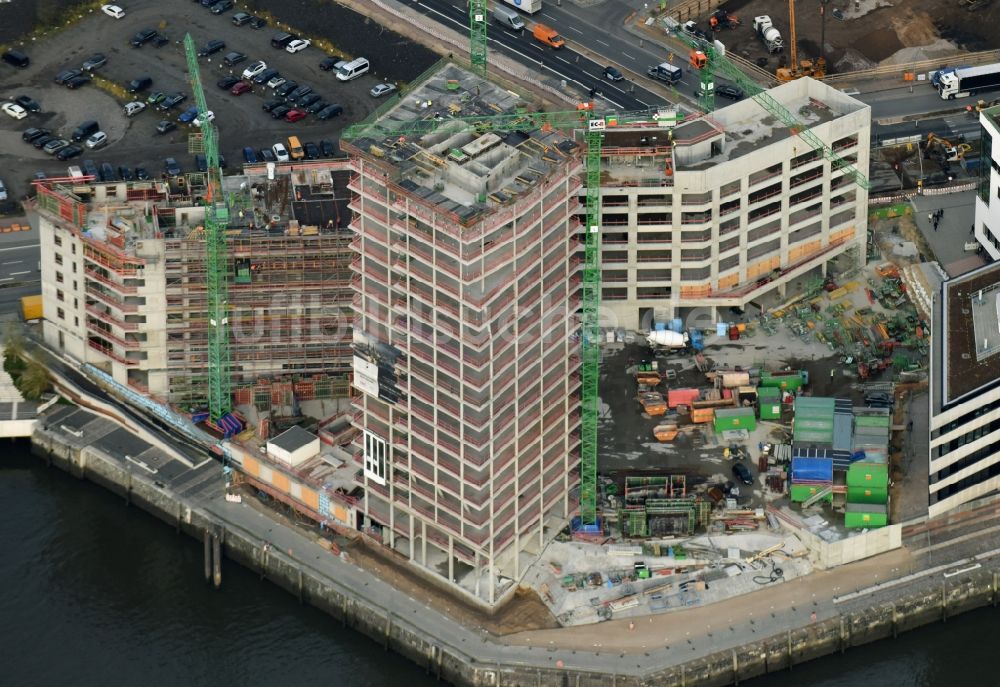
(94, 594)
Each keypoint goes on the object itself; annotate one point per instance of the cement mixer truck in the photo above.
(770, 35)
(664, 338)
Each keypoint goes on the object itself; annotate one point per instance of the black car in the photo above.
(250, 155)
(222, 6)
(124, 173)
(141, 174)
(201, 162)
(285, 88)
(330, 111)
(171, 167)
(69, 152)
(227, 83)
(27, 103)
(280, 111)
(172, 101)
(266, 155)
(257, 22)
(728, 91)
(64, 76)
(742, 473)
(613, 74)
(159, 40)
(108, 172)
(207, 3)
(271, 104)
(265, 76)
(298, 93)
(30, 135)
(142, 37)
(95, 61)
(234, 57)
(42, 141)
(90, 169)
(317, 106)
(878, 399)
(306, 101)
(327, 148)
(211, 48)
(329, 63)
(140, 84)
(165, 126)
(76, 82)
(311, 150)
(281, 40)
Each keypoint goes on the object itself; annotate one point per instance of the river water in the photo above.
(93, 593)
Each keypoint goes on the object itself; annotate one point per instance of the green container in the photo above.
(770, 410)
(804, 492)
(874, 475)
(786, 382)
(871, 421)
(735, 418)
(769, 400)
(865, 515)
(867, 495)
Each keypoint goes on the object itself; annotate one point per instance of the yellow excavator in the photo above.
(796, 69)
(944, 149)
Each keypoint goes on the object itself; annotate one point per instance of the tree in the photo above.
(35, 381)
(13, 343)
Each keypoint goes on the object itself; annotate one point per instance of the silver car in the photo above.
(382, 89)
(53, 147)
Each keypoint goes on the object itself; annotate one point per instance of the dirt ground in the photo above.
(872, 31)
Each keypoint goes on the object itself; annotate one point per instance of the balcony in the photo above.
(112, 320)
(104, 334)
(110, 300)
(109, 352)
(120, 288)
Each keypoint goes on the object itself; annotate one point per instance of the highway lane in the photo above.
(19, 275)
(564, 64)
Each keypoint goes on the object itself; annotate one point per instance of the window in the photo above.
(57, 240)
(59, 295)
(72, 248)
(74, 268)
(374, 458)
(60, 313)
(58, 258)
(986, 143)
(59, 278)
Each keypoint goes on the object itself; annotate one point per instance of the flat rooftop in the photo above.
(462, 170)
(971, 332)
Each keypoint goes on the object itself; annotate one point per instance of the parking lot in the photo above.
(134, 141)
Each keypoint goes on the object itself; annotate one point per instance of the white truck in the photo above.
(665, 338)
(529, 6)
(768, 34)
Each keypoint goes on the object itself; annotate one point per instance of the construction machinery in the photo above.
(216, 253)
(719, 63)
(721, 19)
(770, 36)
(943, 150)
(479, 18)
(797, 69)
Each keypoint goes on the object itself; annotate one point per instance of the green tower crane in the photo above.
(716, 62)
(478, 21)
(216, 270)
(594, 126)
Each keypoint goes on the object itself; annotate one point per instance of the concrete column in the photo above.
(823, 268)
(782, 289)
(423, 543)
(451, 558)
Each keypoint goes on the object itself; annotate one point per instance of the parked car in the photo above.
(211, 48)
(742, 473)
(133, 108)
(124, 173)
(276, 81)
(108, 172)
(3, 191)
(382, 89)
(165, 126)
(266, 155)
(14, 110)
(328, 64)
(327, 148)
(254, 69)
(330, 111)
(16, 59)
(308, 100)
(879, 399)
(241, 18)
(159, 40)
(227, 82)
(265, 76)
(155, 97)
(234, 57)
(141, 174)
(613, 74)
(298, 45)
(65, 75)
(172, 101)
(317, 106)
(171, 167)
(113, 11)
(299, 93)
(249, 155)
(311, 151)
(280, 40)
(222, 6)
(43, 140)
(55, 145)
(29, 135)
(280, 152)
(76, 82)
(201, 162)
(90, 169)
(69, 152)
(95, 61)
(271, 104)
(188, 115)
(85, 129)
(294, 115)
(240, 88)
(27, 103)
(286, 88)
(95, 141)
(140, 84)
(204, 117)
(257, 22)
(142, 37)
(729, 91)
(280, 111)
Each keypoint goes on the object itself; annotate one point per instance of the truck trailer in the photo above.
(529, 6)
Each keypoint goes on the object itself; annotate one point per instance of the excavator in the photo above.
(943, 150)
(796, 69)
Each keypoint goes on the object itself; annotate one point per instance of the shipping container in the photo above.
(701, 415)
(868, 475)
(787, 381)
(867, 495)
(31, 308)
(803, 492)
(682, 397)
(812, 469)
(729, 419)
(865, 515)
(733, 380)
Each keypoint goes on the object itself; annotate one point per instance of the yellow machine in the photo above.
(796, 69)
(944, 148)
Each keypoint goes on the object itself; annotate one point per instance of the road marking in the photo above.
(14, 274)
(7, 279)
(563, 59)
(11, 262)
(628, 56)
(24, 247)
(573, 28)
(603, 43)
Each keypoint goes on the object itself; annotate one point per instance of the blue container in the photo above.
(676, 325)
(812, 470)
(661, 326)
(721, 329)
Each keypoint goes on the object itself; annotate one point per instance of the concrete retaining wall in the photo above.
(526, 668)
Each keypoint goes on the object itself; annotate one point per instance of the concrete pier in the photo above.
(193, 500)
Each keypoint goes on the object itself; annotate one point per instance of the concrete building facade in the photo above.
(728, 206)
(467, 273)
(965, 390)
(987, 226)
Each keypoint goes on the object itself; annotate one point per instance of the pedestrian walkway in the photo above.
(946, 221)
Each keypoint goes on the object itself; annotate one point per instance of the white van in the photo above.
(508, 18)
(353, 69)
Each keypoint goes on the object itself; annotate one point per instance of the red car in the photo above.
(240, 88)
(294, 115)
